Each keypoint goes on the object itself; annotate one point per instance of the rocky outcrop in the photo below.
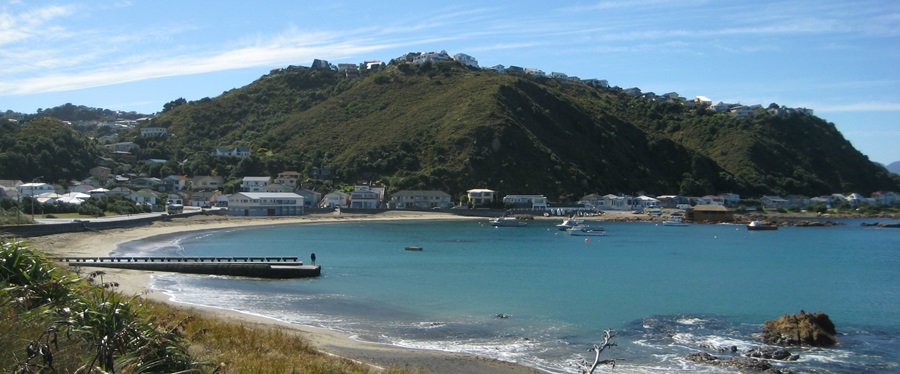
(769, 353)
(880, 224)
(803, 328)
(738, 363)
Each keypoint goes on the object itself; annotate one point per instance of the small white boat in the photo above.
(760, 226)
(508, 221)
(569, 223)
(587, 230)
(674, 221)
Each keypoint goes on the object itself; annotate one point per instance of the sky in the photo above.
(839, 58)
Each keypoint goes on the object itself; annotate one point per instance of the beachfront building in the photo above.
(310, 197)
(526, 201)
(607, 202)
(418, 199)
(646, 202)
(480, 196)
(710, 213)
(364, 197)
(336, 199)
(252, 204)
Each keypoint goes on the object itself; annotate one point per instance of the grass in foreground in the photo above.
(53, 321)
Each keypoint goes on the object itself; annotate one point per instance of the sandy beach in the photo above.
(133, 282)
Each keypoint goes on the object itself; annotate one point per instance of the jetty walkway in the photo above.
(256, 267)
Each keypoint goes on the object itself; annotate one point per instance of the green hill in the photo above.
(449, 127)
(45, 149)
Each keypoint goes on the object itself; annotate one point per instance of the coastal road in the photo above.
(51, 221)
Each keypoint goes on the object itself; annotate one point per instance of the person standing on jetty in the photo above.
(312, 258)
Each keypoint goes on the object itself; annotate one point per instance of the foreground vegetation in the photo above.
(52, 321)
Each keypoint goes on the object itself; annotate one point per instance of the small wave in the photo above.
(430, 325)
(690, 321)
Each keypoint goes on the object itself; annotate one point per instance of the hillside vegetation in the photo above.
(449, 127)
(45, 149)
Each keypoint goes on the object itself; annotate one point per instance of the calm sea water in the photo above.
(666, 291)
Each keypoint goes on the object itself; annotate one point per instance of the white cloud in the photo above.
(18, 27)
(283, 49)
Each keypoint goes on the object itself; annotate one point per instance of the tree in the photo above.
(174, 104)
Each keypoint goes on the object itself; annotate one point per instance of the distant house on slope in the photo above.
(235, 152)
(466, 60)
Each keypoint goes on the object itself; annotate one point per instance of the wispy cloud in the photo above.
(282, 49)
(33, 23)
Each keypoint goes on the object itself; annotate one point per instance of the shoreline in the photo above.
(328, 342)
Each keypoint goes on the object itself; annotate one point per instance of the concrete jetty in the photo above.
(256, 267)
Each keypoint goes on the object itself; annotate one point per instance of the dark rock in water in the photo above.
(812, 329)
(737, 363)
(771, 354)
(880, 224)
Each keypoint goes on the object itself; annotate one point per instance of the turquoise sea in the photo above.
(666, 291)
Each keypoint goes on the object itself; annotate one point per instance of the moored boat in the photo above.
(587, 230)
(674, 221)
(569, 223)
(760, 226)
(413, 248)
(508, 221)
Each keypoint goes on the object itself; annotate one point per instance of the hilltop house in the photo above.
(466, 59)
(265, 204)
(120, 147)
(153, 131)
(418, 199)
(236, 152)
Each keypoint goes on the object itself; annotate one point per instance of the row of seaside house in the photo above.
(284, 195)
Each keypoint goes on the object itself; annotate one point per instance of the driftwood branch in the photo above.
(598, 348)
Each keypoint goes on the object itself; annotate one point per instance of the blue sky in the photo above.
(839, 58)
